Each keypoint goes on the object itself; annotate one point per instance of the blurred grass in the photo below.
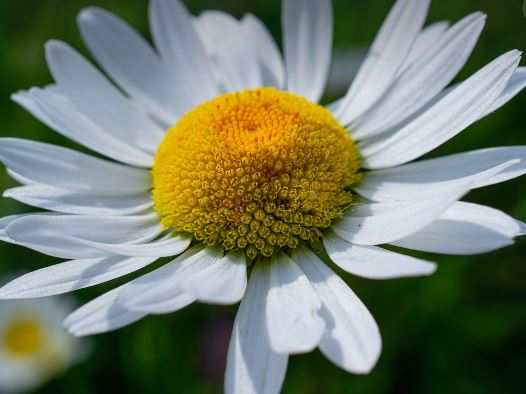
(460, 331)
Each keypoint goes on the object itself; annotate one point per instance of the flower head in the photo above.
(225, 160)
(34, 346)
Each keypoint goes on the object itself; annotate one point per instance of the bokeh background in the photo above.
(461, 331)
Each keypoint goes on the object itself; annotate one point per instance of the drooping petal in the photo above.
(292, 307)
(252, 366)
(372, 262)
(449, 116)
(71, 275)
(40, 163)
(465, 229)
(307, 37)
(101, 315)
(352, 340)
(386, 56)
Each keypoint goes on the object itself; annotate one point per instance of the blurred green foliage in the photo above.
(461, 331)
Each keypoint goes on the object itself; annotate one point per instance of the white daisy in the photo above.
(222, 154)
(34, 346)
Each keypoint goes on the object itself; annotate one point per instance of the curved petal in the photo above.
(269, 55)
(4, 223)
(424, 179)
(465, 229)
(352, 340)
(167, 246)
(292, 307)
(234, 54)
(515, 85)
(373, 262)
(132, 63)
(252, 366)
(63, 235)
(67, 169)
(162, 290)
(420, 82)
(425, 40)
(99, 100)
(386, 56)
(307, 36)
(182, 51)
(449, 116)
(380, 223)
(223, 282)
(59, 200)
(70, 276)
(60, 114)
(101, 315)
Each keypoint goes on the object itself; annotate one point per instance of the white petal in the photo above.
(307, 28)
(515, 85)
(167, 246)
(162, 290)
(379, 223)
(101, 315)
(62, 235)
(223, 282)
(74, 202)
(70, 276)
(59, 113)
(424, 179)
(352, 340)
(99, 100)
(131, 62)
(67, 169)
(386, 56)
(252, 366)
(292, 307)
(448, 117)
(182, 50)
(424, 79)
(269, 56)
(372, 262)
(425, 40)
(229, 44)
(465, 229)
(4, 223)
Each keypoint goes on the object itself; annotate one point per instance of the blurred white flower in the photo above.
(34, 345)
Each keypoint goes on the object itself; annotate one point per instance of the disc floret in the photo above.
(259, 171)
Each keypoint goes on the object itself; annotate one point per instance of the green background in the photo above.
(461, 331)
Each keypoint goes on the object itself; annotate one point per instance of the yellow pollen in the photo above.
(257, 171)
(24, 338)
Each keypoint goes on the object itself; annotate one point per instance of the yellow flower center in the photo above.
(24, 338)
(257, 171)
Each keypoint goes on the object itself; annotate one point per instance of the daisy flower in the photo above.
(34, 346)
(217, 152)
